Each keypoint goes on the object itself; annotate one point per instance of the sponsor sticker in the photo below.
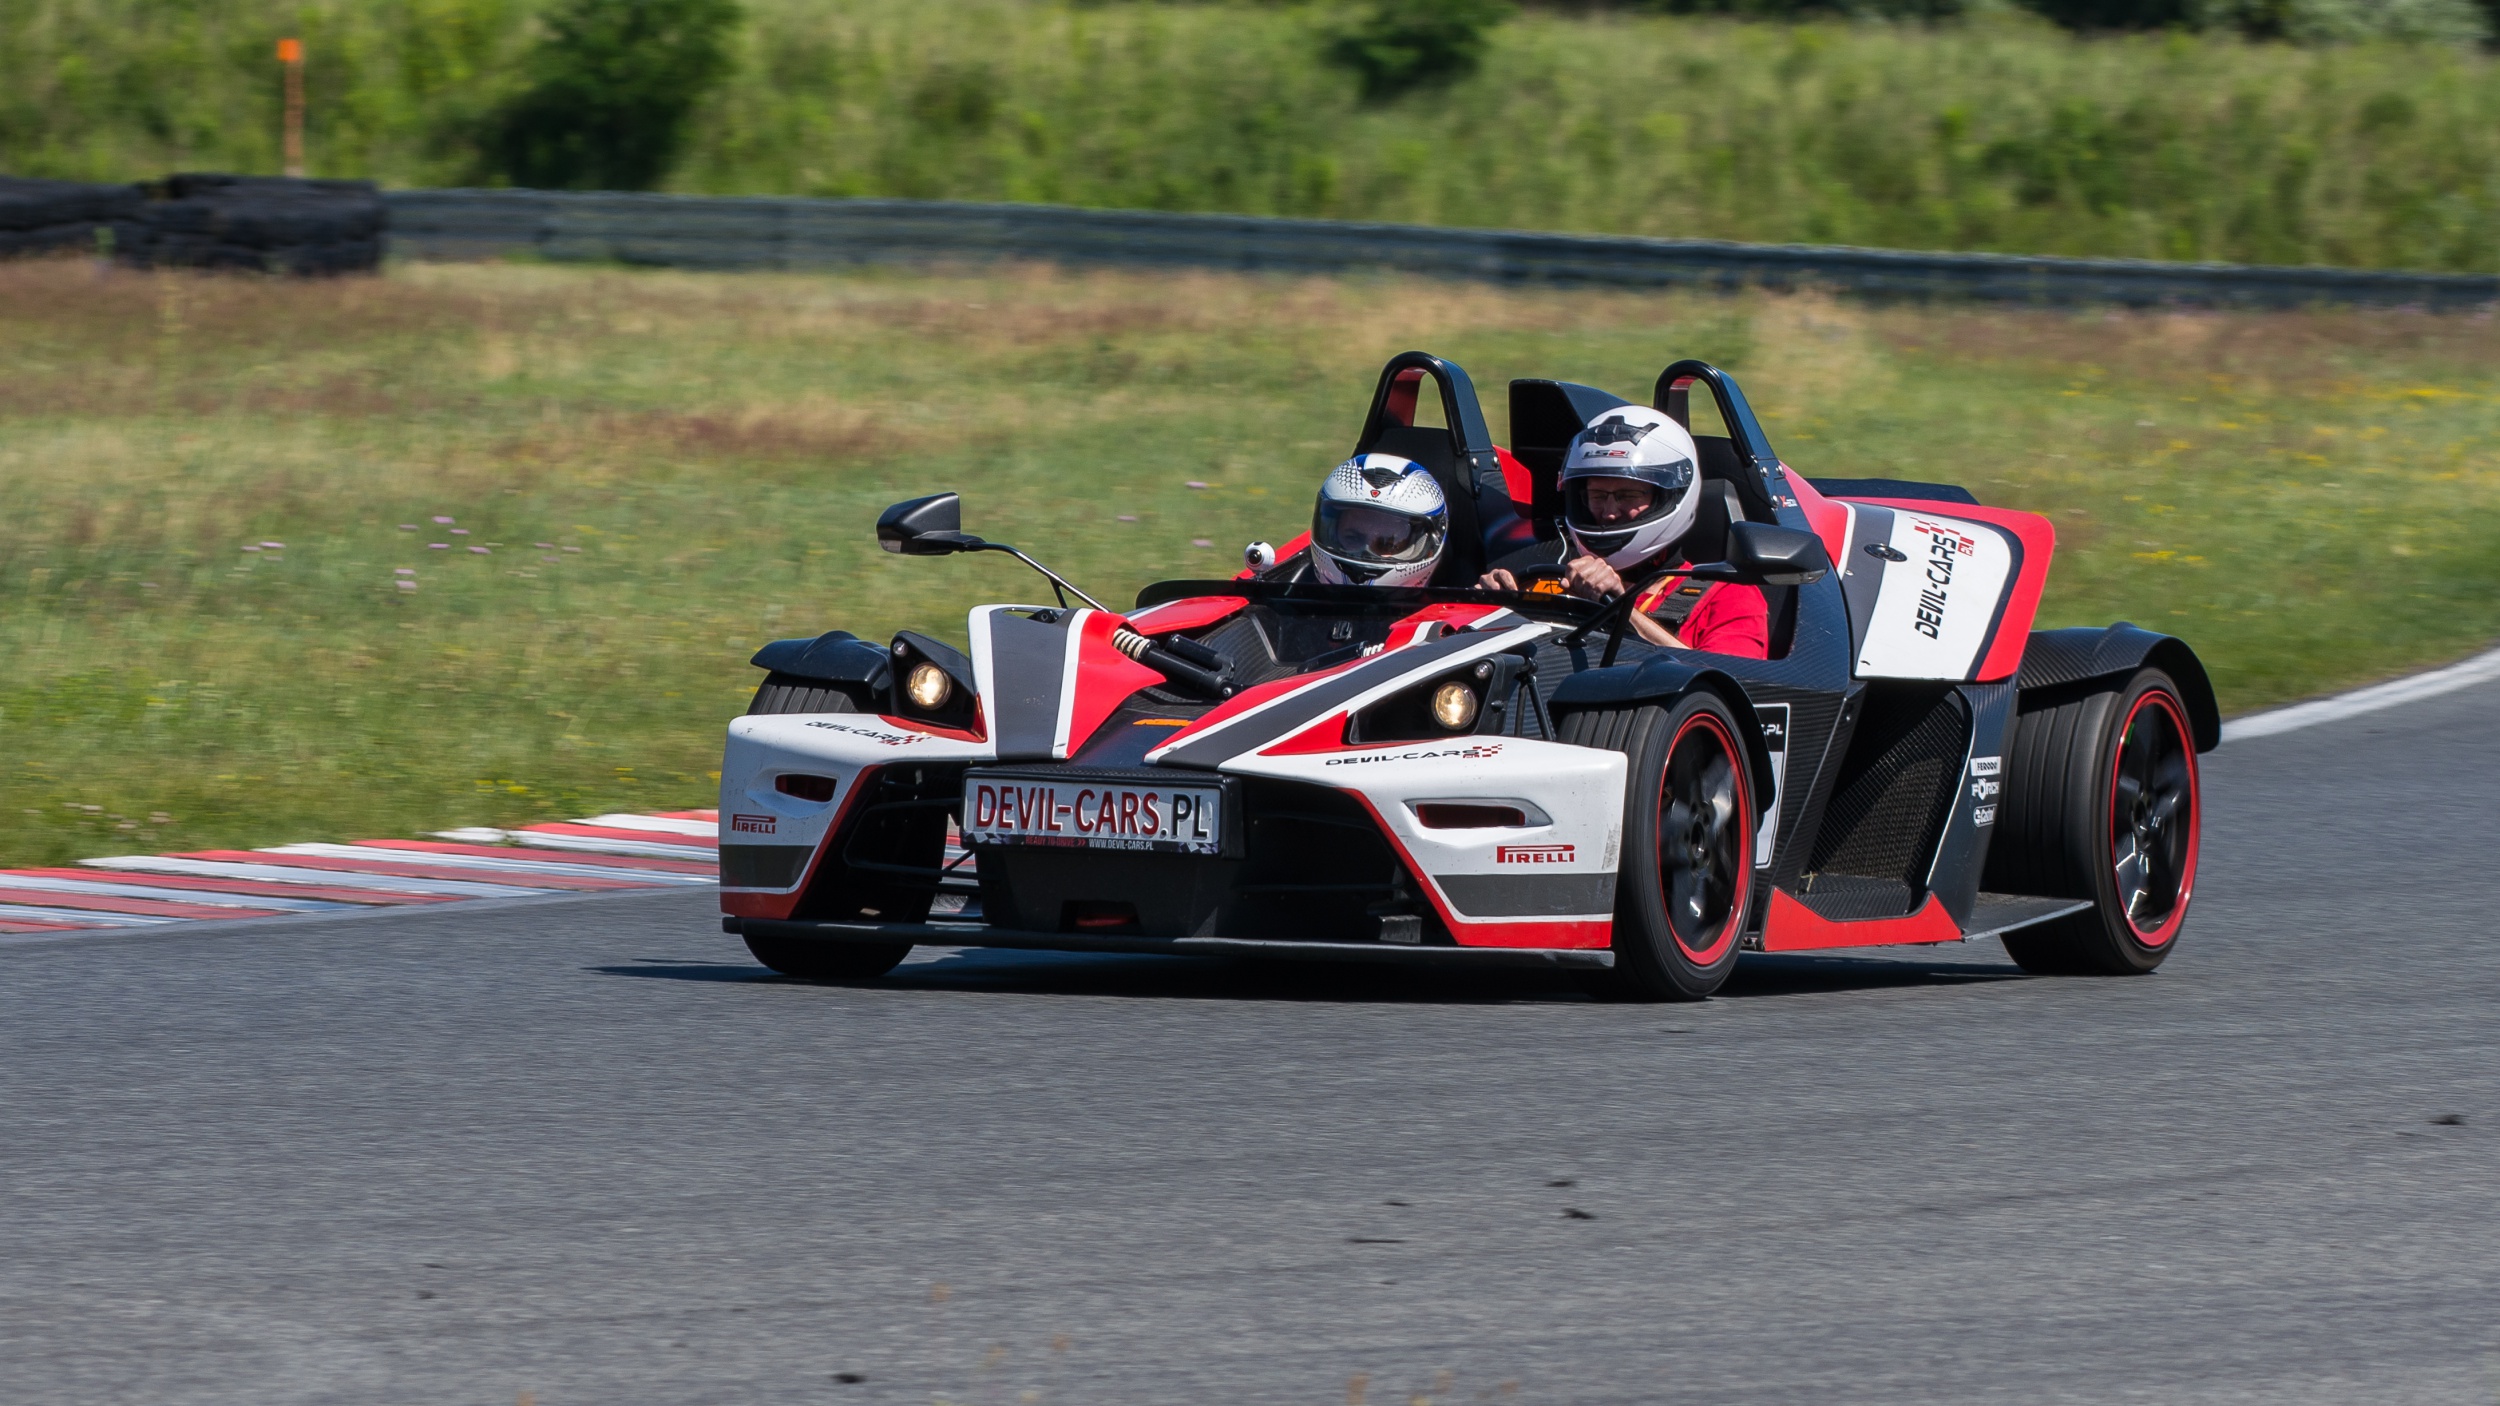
(1984, 815)
(1774, 719)
(1476, 752)
(1984, 766)
(751, 824)
(1983, 788)
(1940, 584)
(890, 739)
(1534, 854)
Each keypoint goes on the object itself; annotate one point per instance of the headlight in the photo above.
(928, 687)
(1454, 706)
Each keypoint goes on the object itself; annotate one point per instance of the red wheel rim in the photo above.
(1705, 833)
(2153, 818)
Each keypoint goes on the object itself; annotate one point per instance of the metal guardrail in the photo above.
(734, 232)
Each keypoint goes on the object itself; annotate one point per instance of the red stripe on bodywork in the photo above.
(145, 907)
(1458, 615)
(505, 877)
(1793, 927)
(1517, 480)
(1829, 520)
(1104, 678)
(1326, 735)
(1187, 613)
(266, 888)
(1250, 698)
(2039, 538)
(696, 867)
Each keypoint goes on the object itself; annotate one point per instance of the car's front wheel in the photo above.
(828, 961)
(1686, 872)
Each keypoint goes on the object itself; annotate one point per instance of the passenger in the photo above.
(1630, 489)
(1381, 521)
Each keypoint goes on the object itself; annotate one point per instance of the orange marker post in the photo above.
(291, 60)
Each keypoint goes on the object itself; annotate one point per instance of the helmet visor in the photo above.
(1361, 532)
(1601, 503)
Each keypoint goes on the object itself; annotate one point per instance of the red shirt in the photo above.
(1727, 618)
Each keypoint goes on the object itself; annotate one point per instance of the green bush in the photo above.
(1398, 46)
(1997, 132)
(610, 85)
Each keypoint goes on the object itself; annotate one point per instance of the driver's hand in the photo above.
(1498, 579)
(1592, 578)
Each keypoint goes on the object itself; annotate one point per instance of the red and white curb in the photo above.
(605, 852)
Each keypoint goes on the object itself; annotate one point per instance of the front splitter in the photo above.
(941, 934)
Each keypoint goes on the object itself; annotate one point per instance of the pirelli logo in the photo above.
(1534, 854)
(751, 824)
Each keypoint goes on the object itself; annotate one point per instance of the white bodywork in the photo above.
(1934, 606)
(838, 745)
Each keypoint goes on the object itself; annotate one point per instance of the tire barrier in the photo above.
(269, 223)
(50, 217)
(264, 223)
(766, 233)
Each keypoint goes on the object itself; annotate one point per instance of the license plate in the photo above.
(1081, 813)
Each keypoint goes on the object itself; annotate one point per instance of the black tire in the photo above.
(2100, 803)
(1687, 868)
(828, 961)
(788, 693)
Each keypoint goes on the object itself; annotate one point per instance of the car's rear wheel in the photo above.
(828, 961)
(2101, 803)
(788, 693)
(1687, 865)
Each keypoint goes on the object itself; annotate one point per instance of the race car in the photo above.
(1270, 766)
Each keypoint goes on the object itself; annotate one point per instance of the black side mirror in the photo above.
(1775, 556)
(925, 527)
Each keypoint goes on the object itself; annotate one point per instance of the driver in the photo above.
(1630, 493)
(1381, 521)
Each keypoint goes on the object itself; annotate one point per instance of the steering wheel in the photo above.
(1547, 580)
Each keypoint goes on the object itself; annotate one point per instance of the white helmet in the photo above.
(1637, 443)
(1381, 521)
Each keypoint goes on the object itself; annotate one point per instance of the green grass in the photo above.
(1999, 133)
(2308, 498)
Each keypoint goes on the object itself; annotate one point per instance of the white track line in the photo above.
(213, 898)
(82, 917)
(658, 824)
(519, 865)
(2480, 668)
(325, 878)
(592, 844)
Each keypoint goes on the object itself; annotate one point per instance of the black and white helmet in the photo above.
(1644, 445)
(1381, 521)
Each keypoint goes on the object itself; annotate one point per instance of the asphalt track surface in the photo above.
(583, 1151)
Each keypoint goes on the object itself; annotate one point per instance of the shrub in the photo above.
(1401, 45)
(610, 86)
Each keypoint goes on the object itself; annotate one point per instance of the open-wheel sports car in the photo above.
(1272, 766)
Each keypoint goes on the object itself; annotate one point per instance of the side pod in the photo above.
(2054, 659)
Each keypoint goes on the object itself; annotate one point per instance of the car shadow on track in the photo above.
(995, 971)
